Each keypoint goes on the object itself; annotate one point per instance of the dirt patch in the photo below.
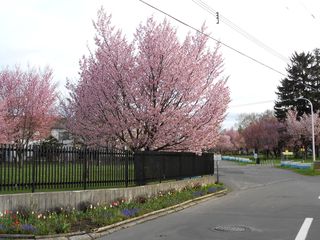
(85, 224)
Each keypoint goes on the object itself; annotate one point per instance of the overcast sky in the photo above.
(57, 33)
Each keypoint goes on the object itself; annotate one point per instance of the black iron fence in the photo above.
(42, 168)
(160, 166)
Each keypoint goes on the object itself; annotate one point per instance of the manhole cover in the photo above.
(232, 228)
(162, 236)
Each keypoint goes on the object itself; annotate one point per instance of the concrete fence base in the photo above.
(47, 200)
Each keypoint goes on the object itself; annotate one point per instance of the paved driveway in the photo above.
(265, 203)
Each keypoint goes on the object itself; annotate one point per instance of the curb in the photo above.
(103, 231)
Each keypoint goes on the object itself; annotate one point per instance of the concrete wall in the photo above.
(47, 200)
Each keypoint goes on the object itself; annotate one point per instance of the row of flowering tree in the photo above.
(300, 131)
(265, 134)
(256, 132)
(154, 92)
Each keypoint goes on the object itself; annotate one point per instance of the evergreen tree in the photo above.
(303, 80)
(315, 83)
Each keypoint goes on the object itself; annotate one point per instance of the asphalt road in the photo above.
(265, 203)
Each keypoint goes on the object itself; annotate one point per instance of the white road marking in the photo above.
(302, 234)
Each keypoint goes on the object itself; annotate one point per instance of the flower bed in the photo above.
(237, 159)
(298, 165)
(88, 216)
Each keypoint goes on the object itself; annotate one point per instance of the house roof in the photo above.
(60, 124)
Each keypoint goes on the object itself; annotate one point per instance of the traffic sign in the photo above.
(287, 153)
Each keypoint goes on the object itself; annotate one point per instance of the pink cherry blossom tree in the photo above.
(295, 128)
(230, 141)
(263, 134)
(154, 93)
(236, 139)
(300, 130)
(27, 104)
(224, 144)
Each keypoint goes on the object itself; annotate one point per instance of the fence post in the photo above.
(126, 168)
(84, 159)
(33, 168)
(139, 176)
(160, 165)
(212, 159)
(180, 167)
(193, 165)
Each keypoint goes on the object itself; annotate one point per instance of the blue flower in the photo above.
(212, 189)
(198, 194)
(28, 228)
(2, 228)
(130, 212)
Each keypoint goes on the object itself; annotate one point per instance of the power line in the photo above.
(238, 29)
(220, 42)
(251, 104)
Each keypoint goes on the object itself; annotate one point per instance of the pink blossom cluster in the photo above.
(300, 130)
(230, 140)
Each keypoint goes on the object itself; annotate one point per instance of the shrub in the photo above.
(84, 206)
(23, 212)
(103, 217)
(59, 223)
(63, 210)
(141, 199)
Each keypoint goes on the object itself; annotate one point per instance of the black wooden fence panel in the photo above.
(160, 166)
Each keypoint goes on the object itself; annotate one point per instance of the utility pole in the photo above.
(312, 127)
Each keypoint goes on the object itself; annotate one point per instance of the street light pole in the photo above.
(312, 126)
